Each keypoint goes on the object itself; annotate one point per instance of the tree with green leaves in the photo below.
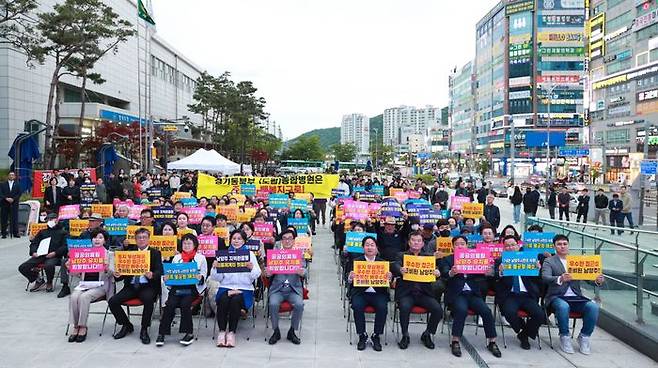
(17, 28)
(383, 154)
(75, 35)
(344, 152)
(305, 148)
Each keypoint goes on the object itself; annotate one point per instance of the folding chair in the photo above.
(39, 268)
(284, 307)
(368, 310)
(200, 301)
(417, 310)
(469, 313)
(572, 315)
(523, 314)
(134, 302)
(68, 325)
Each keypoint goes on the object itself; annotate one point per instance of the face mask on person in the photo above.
(42, 218)
(415, 227)
(444, 233)
(52, 223)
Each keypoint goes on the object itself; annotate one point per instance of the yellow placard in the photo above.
(250, 210)
(76, 227)
(304, 243)
(178, 195)
(230, 211)
(132, 262)
(130, 232)
(166, 244)
(318, 184)
(584, 267)
(444, 245)
(182, 232)
(105, 210)
(370, 274)
(36, 227)
(419, 268)
(243, 217)
(472, 210)
(306, 196)
(221, 232)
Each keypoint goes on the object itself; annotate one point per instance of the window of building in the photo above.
(619, 65)
(619, 111)
(653, 55)
(619, 22)
(617, 136)
(613, 3)
(642, 59)
(618, 44)
(600, 8)
(648, 32)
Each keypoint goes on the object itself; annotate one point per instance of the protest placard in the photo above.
(181, 274)
(105, 210)
(36, 227)
(87, 259)
(419, 268)
(116, 226)
(248, 189)
(163, 213)
(221, 232)
(194, 214)
(232, 261)
(253, 245)
(230, 211)
(472, 210)
(367, 196)
(130, 232)
(299, 204)
(584, 267)
(538, 241)
(400, 195)
(373, 210)
(522, 263)
(304, 196)
(495, 249)
(304, 243)
(263, 194)
(474, 239)
(414, 194)
(284, 261)
(78, 243)
(263, 230)
(354, 241)
(76, 227)
(370, 274)
(153, 193)
(378, 189)
(131, 262)
(444, 245)
(356, 210)
(300, 224)
(251, 211)
(243, 217)
(189, 202)
(180, 195)
(166, 244)
(208, 245)
(135, 212)
(117, 203)
(390, 208)
(457, 202)
(181, 232)
(278, 200)
(358, 189)
(472, 261)
(68, 212)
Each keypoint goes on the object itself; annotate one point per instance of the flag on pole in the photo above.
(143, 13)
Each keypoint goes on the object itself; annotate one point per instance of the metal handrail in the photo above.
(635, 230)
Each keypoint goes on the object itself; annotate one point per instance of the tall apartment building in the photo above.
(355, 128)
(461, 109)
(401, 122)
(623, 81)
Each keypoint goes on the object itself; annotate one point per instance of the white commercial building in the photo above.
(163, 77)
(355, 128)
(400, 122)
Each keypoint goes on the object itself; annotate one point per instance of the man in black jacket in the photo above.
(145, 287)
(10, 193)
(482, 193)
(601, 207)
(564, 201)
(531, 202)
(551, 201)
(492, 213)
(71, 194)
(47, 248)
(583, 206)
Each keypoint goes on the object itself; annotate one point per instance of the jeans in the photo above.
(627, 215)
(517, 213)
(616, 220)
(590, 311)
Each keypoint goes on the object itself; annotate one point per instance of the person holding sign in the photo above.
(564, 295)
(235, 293)
(286, 287)
(182, 296)
(514, 293)
(464, 292)
(146, 287)
(365, 296)
(47, 248)
(415, 293)
(93, 286)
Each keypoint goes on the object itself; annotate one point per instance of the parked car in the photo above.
(499, 191)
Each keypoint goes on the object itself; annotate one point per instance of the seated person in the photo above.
(362, 297)
(286, 287)
(464, 292)
(145, 287)
(411, 293)
(93, 286)
(235, 293)
(183, 296)
(564, 296)
(514, 293)
(54, 237)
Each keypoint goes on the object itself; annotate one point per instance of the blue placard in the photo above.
(300, 224)
(278, 200)
(430, 216)
(116, 226)
(162, 213)
(78, 243)
(520, 263)
(474, 239)
(339, 193)
(248, 189)
(378, 189)
(648, 167)
(354, 241)
(188, 202)
(301, 204)
(180, 274)
(229, 261)
(538, 241)
(358, 189)
(253, 245)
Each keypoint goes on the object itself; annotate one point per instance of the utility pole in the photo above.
(645, 148)
(512, 147)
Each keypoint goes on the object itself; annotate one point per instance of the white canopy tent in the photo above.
(208, 160)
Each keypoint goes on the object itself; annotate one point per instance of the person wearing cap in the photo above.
(95, 222)
(389, 240)
(429, 238)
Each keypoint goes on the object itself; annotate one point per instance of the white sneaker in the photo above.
(565, 344)
(585, 347)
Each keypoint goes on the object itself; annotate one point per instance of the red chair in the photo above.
(572, 315)
(284, 307)
(368, 310)
(523, 314)
(416, 309)
(134, 302)
(68, 325)
(39, 268)
(200, 302)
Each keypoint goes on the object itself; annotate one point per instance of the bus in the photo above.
(300, 166)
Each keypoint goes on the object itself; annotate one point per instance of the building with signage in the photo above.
(355, 129)
(461, 109)
(400, 122)
(142, 79)
(623, 83)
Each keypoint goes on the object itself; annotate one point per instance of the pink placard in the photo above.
(414, 194)
(208, 245)
(495, 249)
(194, 214)
(136, 212)
(117, 202)
(401, 196)
(68, 212)
(263, 194)
(456, 202)
(263, 231)
(87, 259)
(284, 261)
(356, 210)
(472, 261)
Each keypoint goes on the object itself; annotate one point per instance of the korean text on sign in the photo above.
(370, 274)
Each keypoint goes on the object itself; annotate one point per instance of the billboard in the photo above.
(539, 138)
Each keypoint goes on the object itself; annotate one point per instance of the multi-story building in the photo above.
(355, 129)
(461, 109)
(142, 80)
(400, 122)
(623, 80)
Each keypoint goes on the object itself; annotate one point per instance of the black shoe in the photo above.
(293, 338)
(125, 330)
(276, 336)
(16, 236)
(404, 342)
(188, 339)
(493, 348)
(426, 339)
(523, 337)
(72, 338)
(376, 344)
(81, 338)
(363, 339)
(159, 341)
(4, 236)
(49, 289)
(64, 292)
(144, 336)
(456, 349)
(37, 285)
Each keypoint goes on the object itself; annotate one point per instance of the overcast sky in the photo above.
(315, 60)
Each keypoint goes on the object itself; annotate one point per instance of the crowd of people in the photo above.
(231, 296)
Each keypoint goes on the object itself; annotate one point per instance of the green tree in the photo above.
(306, 148)
(382, 154)
(17, 28)
(344, 152)
(75, 34)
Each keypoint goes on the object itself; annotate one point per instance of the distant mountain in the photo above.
(331, 136)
